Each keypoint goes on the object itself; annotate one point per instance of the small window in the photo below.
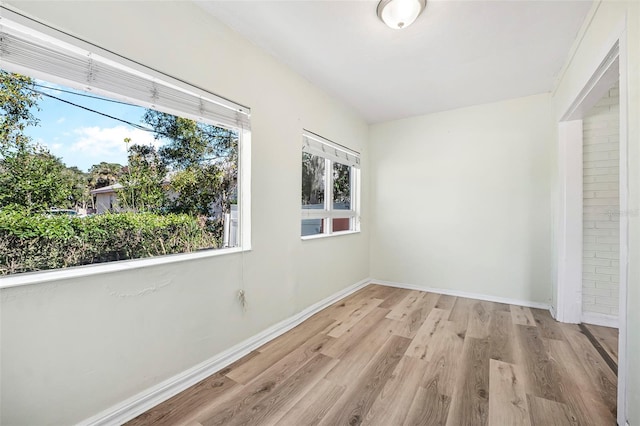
(330, 187)
(102, 159)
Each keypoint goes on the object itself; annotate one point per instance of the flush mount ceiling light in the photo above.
(399, 14)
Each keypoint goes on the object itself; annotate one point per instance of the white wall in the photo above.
(601, 207)
(611, 20)
(461, 199)
(75, 347)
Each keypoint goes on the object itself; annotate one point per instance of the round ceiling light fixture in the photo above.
(399, 14)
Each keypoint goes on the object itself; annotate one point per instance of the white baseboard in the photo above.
(138, 404)
(151, 397)
(600, 319)
(458, 293)
(552, 311)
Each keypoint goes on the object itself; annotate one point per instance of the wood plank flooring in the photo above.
(608, 338)
(387, 356)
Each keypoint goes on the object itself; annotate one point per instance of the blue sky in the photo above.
(82, 138)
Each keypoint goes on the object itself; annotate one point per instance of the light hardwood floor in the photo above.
(607, 337)
(387, 356)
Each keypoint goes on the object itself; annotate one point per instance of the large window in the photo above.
(102, 159)
(330, 187)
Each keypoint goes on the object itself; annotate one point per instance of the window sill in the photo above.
(29, 278)
(321, 236)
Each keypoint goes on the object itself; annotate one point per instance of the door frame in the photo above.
(570, 204)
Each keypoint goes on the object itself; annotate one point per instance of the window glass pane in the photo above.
(341, 187)
(312, 226)
(105, 180)
(312, 181)
(341, 224)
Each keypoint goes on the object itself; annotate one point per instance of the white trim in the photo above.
(244, 188)
(569, 235)
(597, 318)
(458, 293)
(617, 40)
(320, 236)
(552, 311)
(623, 331)
(356, 182)
(29, 278)
(331, 214)
(138, 404)
(598, 85)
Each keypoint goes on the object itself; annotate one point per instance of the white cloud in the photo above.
(55, 148)
(60, 120)
(85, 146)
(98, 142)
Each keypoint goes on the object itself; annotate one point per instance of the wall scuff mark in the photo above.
(138, 293)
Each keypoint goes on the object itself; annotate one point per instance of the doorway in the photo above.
(601, 210)
(593, 208)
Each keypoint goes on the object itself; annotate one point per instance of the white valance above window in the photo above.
(25, 51)
(317, 145)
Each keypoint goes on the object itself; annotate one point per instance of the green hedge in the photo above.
(34, 242)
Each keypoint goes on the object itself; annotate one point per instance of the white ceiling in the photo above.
(457, 53)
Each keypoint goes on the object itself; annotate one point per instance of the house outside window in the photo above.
(330, 188)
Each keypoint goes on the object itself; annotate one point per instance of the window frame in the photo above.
(329, 213)
(41, 33)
